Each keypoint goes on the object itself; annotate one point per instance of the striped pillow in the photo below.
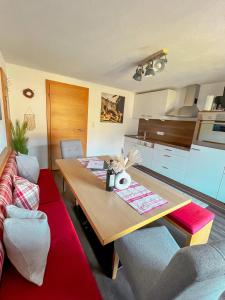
(1, 258)
(26, 193)
(6, 187)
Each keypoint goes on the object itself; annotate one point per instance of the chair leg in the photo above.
(200, 237)
(115, 264)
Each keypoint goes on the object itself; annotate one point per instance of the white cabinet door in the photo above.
(205, 169)
(168, 164)
(221, 192)
(146, 155)
(129, 144)
(153, 104)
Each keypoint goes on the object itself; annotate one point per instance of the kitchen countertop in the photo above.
(186, 148)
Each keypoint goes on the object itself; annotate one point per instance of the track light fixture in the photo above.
(138, 74)
(149, 71)
(152, 64)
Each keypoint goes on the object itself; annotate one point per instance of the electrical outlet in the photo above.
(160, 132)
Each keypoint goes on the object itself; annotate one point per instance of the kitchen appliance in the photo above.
(189, 109)
(210, 130)
(219, 102)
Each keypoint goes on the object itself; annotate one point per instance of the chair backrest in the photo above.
(196, 272)
(71, 149)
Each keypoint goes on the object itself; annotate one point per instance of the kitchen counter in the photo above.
(141, 138)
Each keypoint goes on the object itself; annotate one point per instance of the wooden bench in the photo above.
(194, 221)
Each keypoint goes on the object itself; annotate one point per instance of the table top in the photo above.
(110, 216)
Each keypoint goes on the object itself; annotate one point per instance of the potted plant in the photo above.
(19, 139)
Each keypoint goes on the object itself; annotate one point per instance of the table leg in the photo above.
(115, 264)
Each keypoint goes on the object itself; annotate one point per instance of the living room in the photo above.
(112, 114)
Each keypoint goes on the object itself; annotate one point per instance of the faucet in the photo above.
(145, 134)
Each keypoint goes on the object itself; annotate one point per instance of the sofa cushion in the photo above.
(6, 187)
(28, 167)
(26, 193)
(48, 189)
(67, 274)
(27, 241)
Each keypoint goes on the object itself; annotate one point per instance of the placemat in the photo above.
(136, 195)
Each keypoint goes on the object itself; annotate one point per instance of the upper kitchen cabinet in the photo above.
(154, 104)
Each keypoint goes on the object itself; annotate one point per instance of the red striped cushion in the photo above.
(1, 258)
(26, 193)
(6, 187)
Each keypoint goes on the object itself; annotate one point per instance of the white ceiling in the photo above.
(103, 40)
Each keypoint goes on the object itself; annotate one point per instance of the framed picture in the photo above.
(112, 108)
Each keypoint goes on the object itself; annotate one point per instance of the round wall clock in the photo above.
(28, 93)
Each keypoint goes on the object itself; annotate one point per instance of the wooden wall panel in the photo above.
(175, 132)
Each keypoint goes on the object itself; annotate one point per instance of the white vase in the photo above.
(122, 181)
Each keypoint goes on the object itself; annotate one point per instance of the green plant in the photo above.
(19, 139)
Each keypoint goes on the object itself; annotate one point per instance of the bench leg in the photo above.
(115, 264)
(200, 237)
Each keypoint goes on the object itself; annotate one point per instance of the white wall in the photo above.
(103, 138)
(2, 124)
(215, 89)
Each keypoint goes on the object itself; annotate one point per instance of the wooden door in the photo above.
(5, 107)
(67, 113)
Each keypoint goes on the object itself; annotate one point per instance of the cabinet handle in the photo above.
(166, 155)
(195, 149)
(168, 149)
(165, 167)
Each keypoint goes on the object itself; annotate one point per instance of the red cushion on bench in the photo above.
(48, 189)
(191, 217)
(67, 275)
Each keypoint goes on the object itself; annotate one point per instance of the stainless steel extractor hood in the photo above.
(189, 109)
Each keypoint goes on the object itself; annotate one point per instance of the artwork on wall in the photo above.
(112, 108)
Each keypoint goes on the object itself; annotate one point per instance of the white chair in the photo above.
(70, 149)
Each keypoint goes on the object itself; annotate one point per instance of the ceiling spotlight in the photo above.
(159, 64)
(138, 74)
(152, 64)
(149, 71)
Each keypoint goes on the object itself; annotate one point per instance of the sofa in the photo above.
(68, 275)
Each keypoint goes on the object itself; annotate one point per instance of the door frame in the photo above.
(48, 113)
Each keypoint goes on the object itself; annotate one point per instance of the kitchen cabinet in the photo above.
(129, 144)
(205, 170)
(221, 192)
(143, 147)
(154, 104)
(146, 155)
(170, 162)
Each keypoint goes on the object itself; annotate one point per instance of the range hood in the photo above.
(189, 109)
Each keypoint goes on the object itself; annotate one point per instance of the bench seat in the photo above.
(68, 275)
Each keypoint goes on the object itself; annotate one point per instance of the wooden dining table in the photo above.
(110, 217)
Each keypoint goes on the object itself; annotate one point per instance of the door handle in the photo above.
(80, 129)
